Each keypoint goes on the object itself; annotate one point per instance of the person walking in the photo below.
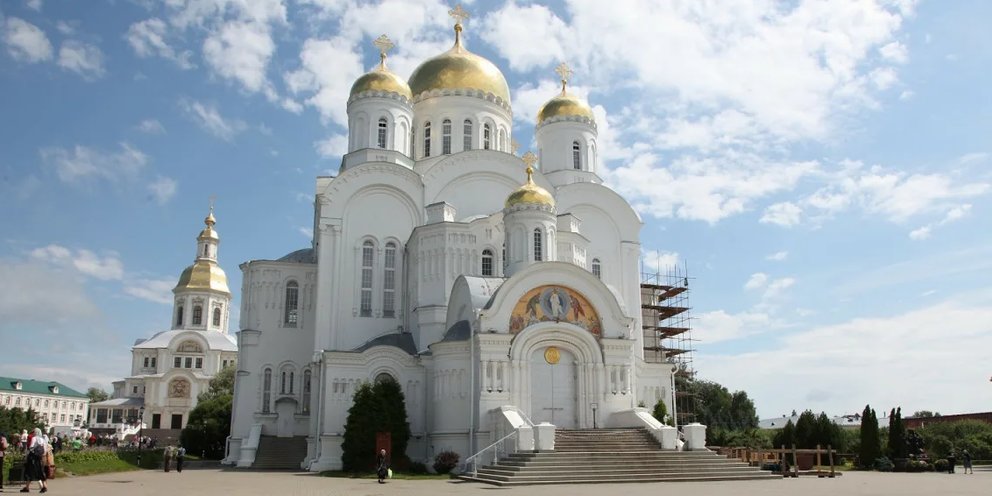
(34, 469)
(180, 458)
(3, 453)
(951, 461)
(966, 462)
(382, 466)
(167, 457)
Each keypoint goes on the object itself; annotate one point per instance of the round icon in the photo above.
(551, 355)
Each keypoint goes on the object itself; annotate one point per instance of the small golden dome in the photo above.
(459, 69)
(208, 232)
(564, 105)
(530, 193)
(381, 79)
(203, 275)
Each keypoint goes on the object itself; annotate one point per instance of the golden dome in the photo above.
(459, 69)
(564, 105)
(208, 232)
(203, 275)
(530, 193)
(381, 79)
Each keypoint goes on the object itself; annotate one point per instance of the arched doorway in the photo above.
(553, 387)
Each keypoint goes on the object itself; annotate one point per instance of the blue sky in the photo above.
(821, 168)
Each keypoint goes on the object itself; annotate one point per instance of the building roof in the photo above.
(215, 340)
(44, 388)
(401, 340)
(121, 402)
(303, 256)
(840, 421)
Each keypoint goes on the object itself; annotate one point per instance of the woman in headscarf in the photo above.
(34, 464)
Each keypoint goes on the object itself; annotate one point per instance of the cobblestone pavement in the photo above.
(238, 483)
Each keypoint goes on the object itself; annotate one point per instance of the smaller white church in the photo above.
(170, 369)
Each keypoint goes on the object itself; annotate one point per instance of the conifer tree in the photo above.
(870, 444)
(897, 435)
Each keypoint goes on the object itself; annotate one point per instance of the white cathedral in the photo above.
(501, 292)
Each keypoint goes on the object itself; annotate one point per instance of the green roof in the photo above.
(31, 386)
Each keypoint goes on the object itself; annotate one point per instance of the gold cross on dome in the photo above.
(530, 159)
(458, 14)
(565, 73)
(384, 44)
(213, 198)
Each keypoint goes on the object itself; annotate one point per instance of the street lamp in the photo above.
(141, 431)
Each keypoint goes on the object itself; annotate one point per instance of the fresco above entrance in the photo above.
(554, 304)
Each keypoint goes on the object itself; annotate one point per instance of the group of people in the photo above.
(177, 453)
(952, 460)
(39, 462)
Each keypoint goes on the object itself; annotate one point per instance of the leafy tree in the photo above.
(96, 394)
(806, 430)
(14, 420)
(939, 438)
(210, 422)
(660, 412)
(925, 414)
(871, 447)
(716, 407)
(376, 408)
(827, 433)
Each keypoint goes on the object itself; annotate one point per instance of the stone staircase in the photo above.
(613, 455)
(280, 453)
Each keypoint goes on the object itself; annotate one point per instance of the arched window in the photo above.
(381, 134)
(292, 303)
(389, 281)
(197, 314)
(467, 135)
(368, 249)
(306, 391)
(384, 377)
(282, 382)
(446, 137)
(179, 315)
(487, 133)
(537, 245)
(266, 390)
(576, 156)
(487, 262)
(427, 139)
(597, 268)
(292, 381)
(217, 317)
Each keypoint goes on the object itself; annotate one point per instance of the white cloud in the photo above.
(333, 146)
(517, 29)
(778, 256)
(148, 38)
(90, 264)
(895, 52)
(209, 119)
(153, 290)
(920, 233)
(757, 280)
(306, 232)
(162, 189)
(785, 214)
(35, 293)
(241, 51)
(25, 41)
(848, 352)
(952, 215)
(329, 67)
(151, 126)
(82, 58)
(716, 326)
(34, 5)
(658, 262)
(83, 163)
(778, 286)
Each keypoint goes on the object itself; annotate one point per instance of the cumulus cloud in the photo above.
(756, 281)
(241, 51)
(517, 29)
(153, 290)
(25, 41)
(162, 189)
(82, 163)
(658, 261)
(785, 214)
(333, 146)
(148, 39)
(37, 293)
(82, 58)
(151, 126)
(329, 67)
(952, 215)
(105, 268)
(209, 119)
(778, 256)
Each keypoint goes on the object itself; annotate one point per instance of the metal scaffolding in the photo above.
(667, 327)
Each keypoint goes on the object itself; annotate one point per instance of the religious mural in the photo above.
(554, 304)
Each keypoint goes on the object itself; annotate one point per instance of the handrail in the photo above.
(474, 458)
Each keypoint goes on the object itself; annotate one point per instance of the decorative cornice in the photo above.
(567, 118)
(389, 95)
(482, 95)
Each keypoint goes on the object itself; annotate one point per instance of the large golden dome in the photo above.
(530, 193)
(381, 79)
(203, 275)
(565, 105)
(459, 69)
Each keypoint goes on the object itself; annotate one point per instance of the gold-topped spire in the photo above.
(459, 15)
(565, 73)
(384, 44)
(210, 220)
(530, 193)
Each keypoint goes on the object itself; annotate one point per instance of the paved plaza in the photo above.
(228, 482)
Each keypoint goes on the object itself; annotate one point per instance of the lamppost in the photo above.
(141, 431)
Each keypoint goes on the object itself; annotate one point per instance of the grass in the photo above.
(93, 467)
(372, 475)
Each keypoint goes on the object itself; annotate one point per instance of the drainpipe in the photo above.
(320, 408)
(471, 395)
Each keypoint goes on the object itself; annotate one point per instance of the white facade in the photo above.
(432, 264)
(56, 404)
(170, 369)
